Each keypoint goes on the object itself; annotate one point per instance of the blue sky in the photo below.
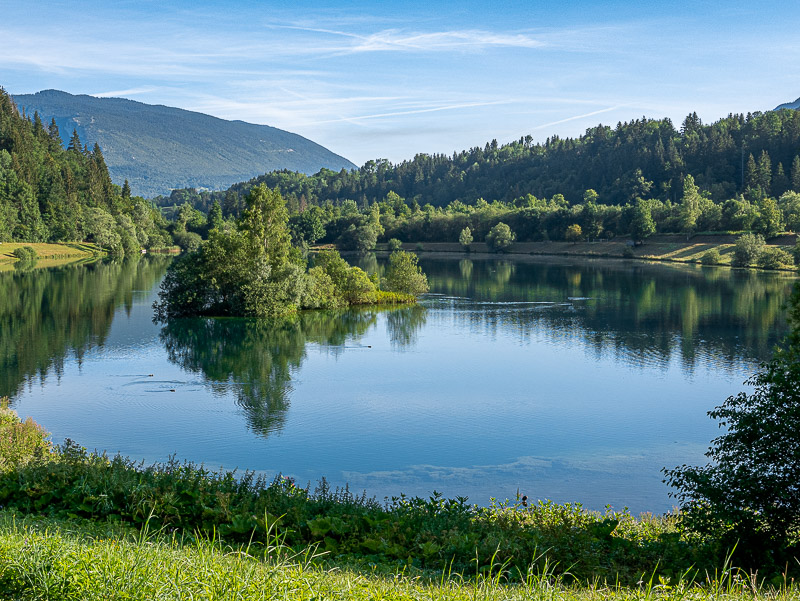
(390, 80)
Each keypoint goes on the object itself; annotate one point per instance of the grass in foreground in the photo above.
(65, 560)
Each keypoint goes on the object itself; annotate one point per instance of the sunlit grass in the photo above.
(48, 559)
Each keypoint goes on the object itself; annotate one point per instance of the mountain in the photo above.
(789, 105)
(157, 148)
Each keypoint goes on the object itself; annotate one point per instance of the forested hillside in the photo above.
(738, 174)
(643, 158)
(48, 193)
(158, 148)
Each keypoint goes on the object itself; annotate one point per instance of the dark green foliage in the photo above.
(500, 237)
(711, 257)
(774, 258)
(465, 238)
(215, 220)
(25, 253)
(394, 244)
(747, 250)
(174, 148)
(404, 274)
(253, 271)
(642, 224)
(308, 226)
(641, 158)
(188, 241)
(48, 193)
(360, 238)
(749, 492)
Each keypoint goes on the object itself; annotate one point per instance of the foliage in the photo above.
(646, 158)
(188, 241)
(642, 225)
(360, 238)
(254, 272)
(48, 193)
(770, 219)
(749, 491)
(404, 275)
(465, 238)
(308, 226)
(747, 250)
(573, 233)
(20, 441)
(774, 258)
(711, 257)
(394, 244)
(500, 237)
(25, 253)
(175, 148)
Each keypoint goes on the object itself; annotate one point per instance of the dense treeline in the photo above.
(645, 157)
(737, 174)
(52, 194)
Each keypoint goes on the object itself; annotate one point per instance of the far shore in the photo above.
(672, 248)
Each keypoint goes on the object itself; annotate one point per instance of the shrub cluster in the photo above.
(25, 253)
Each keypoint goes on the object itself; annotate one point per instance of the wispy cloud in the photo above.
(435, 41)
(583, 116)
(435, 109)
(128, 92)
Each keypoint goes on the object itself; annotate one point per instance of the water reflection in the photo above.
(638, 312)
(48, 314)
(255, 360)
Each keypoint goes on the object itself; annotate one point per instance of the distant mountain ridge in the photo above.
(789, 105)
(158, 148)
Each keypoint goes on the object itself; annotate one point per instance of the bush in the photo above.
(747, 250)
(394, 244)
(20, 441)
(711, 257)
(500, 238)
(360, 238)
(465, 238)
(574, 233)
(188, 241)
(748, 493)
(774, 258)
(25, 253)
(404, 275)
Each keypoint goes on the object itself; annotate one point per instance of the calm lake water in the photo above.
(569, 380)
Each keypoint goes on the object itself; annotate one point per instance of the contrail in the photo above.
(418, 111)
(611, 108)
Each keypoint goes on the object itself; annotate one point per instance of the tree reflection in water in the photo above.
(255, 360)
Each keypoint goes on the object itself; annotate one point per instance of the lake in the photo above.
(563, 379)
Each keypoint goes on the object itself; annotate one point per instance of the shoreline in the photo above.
(664, 248)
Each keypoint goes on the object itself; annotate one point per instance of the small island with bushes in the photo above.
(251, 269)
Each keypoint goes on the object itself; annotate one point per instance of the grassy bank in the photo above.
(47, 250)
(48, 254)
(666, 247)
(78, 525)
(63, 560)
